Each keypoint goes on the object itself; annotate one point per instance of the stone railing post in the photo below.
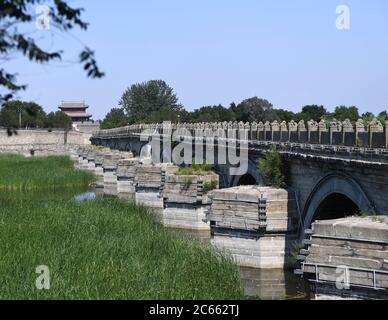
(284, 132)
(292, 131)
(333, 127)
(312, 130)
(347, 128)
(359, 128)
(267, 131)
(247, 130)
(321, 130)
(260, 131)
(302, 132)
(375, 127)
(386, 134)
(275, 131)
(253, 135)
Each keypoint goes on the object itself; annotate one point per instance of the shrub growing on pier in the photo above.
(270, 167)
(195, 169)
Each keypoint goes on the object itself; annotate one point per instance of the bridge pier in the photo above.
(126, 174)
(186, 200)
(150, 179)
(109, 168)
(91, 161)
(99, 170)
(256, 225)
(84, 163)
(347, 258)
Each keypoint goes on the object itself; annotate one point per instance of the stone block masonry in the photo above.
(126, 173)
(150, 179)
(350, 252)
(255, 225)
(186, 200)
(44, 137)
(109, 166)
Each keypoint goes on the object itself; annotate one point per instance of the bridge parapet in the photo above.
(346, 133)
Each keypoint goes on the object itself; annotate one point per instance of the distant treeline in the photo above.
(28, 115)
(155, 101)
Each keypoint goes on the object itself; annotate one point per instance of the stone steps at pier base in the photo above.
(351, 252)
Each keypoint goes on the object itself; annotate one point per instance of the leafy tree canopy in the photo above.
(254, 109)
(383, 116)
(312, 112)
(212, 114)
(285, 115)
(58, 120)
(32, 115)
(342, 113)
(114, 119)
(15, 18)
(143, 100)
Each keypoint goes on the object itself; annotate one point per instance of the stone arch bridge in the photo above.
(334, 169)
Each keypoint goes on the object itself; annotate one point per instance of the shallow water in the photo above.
(263, 284)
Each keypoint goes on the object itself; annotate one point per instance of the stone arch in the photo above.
(252, 172)
(246, 180)
(335, 183)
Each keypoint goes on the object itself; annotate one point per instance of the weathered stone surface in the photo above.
(185, 217)
(356, 243)
(265, 252)
(189, 188)
(353, 228)
(253, 208)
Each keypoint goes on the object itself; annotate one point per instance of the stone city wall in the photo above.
(43, 137)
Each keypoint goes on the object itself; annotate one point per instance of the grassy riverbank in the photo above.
(40, 173)
(105, 249)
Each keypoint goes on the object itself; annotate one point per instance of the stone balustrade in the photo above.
(359, 134)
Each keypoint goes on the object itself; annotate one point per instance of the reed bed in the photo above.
(104, 249)
(41, 173)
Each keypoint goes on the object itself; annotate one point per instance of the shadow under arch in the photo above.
(335, 184)
(251, 176)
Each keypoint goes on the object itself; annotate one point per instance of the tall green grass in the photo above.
(40, 173)
(107, 249)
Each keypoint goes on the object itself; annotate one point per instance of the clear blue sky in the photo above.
(219, 51)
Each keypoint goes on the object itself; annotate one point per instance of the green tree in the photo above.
(312, 112)
(143, 99)
(58, 120)
(114, 119)
(270, 167)
(285, 115)
(368, 117)
(342, 112)
(383, 116)
(164, 114)
(32, 114)
(212, 114)
(16, 17)
(254, 109)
